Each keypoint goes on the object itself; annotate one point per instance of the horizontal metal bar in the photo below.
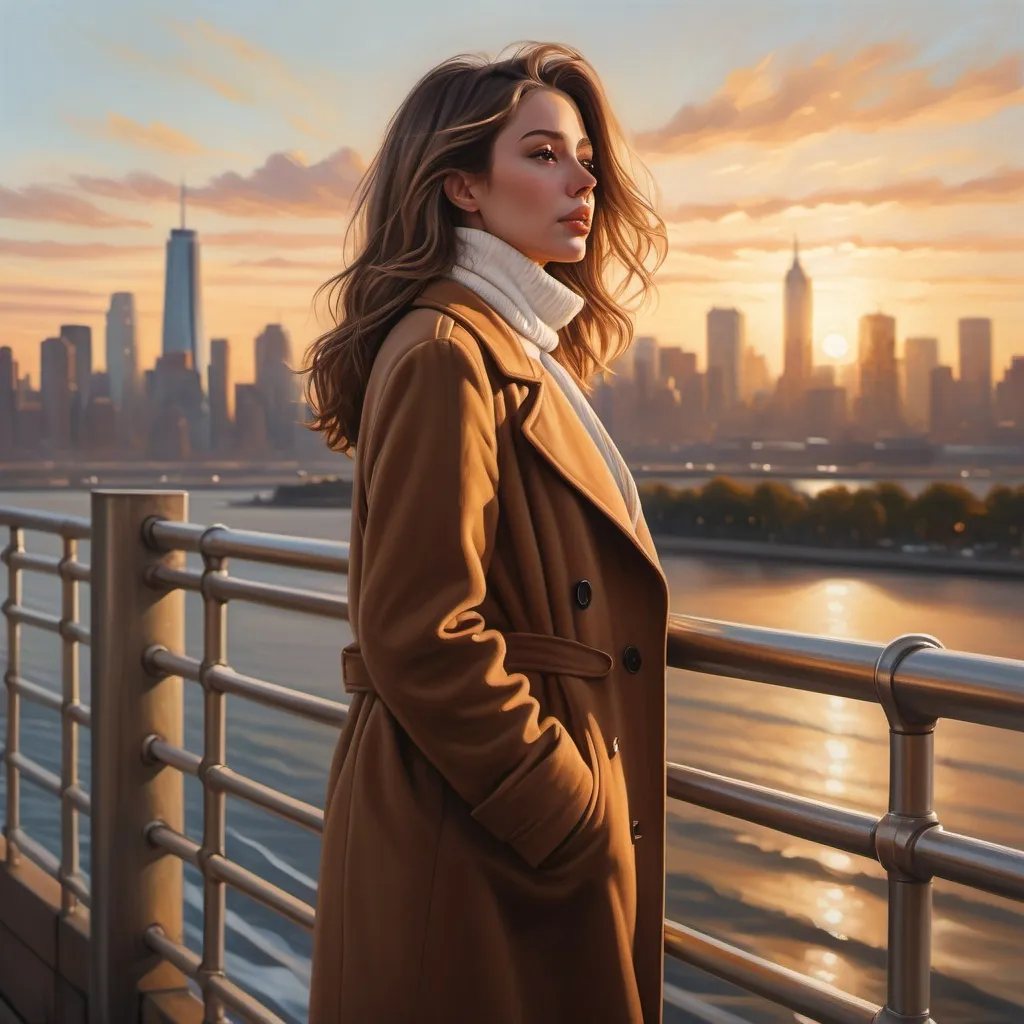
(248, 545)
(232, 588)
(973, 862)
(35, 693)
(30, 617)
(51, 565)
(288, 807)
(79, 799)
(250, 1010)
(787, 988)
(74, 527)
(36, 852)
(80, 713)
(34, 772)
(160, 661)
(929, 682)
(77, 885)
(272, 897)
(189, 963)
(319, 709)
(165, 838)
(158, 749)
(77, 632)
(818, 822)
(174, 953)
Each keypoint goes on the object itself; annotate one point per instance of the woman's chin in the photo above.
(568, 252)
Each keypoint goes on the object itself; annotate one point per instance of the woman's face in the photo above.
(539, 196)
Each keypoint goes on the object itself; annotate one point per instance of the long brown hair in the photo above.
(402, 232)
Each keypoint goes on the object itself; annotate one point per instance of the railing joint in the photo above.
(896, 835)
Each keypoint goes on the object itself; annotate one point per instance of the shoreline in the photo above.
(855, 558)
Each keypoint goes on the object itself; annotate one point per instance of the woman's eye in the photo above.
(589, 164)
(545, 152)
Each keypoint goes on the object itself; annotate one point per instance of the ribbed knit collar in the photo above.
(524, 294)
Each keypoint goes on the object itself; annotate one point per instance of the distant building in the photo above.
(122, 358)
(726, 340)
(80, 339)
(277, 385)
(797, 331)
(221, 392)
(920, 357)
(825, 411)
(58, 390)
(645, 364)
(676, 365)
(754, 376)
(183, 312)
(175, 391)
(8, 401)
(879, 380)
(1009, 395)
(944, 403)
(250, 420)
(975, 343)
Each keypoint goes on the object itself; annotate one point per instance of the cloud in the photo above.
(874, 89)
(285, 185)
(176, 67)
(283, 263)
(155, 135)
(56, 310)
(48, 250)
(26, 290)
(273, 240)
(1004, 186)
(849, 245)
(43, 203)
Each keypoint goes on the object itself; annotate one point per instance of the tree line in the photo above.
(884, 514)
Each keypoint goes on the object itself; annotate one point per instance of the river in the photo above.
(818, 911)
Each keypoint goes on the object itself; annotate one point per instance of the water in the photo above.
(815, 910)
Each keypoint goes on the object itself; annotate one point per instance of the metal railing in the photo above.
(66, 787)
(139, 541)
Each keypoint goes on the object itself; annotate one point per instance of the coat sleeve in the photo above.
(431, 514)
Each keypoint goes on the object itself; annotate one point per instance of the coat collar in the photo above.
(551, 424)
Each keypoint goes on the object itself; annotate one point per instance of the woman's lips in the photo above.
(577, 226)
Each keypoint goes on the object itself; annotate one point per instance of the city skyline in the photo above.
(885, 144)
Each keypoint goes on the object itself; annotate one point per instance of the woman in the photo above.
(494, 828)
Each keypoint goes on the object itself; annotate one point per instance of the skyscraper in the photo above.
(726, 331)
(221, 391)
(122, 361)
(183, 315)
(57, 389)
(798, 320)
(879, 381)
(920, 357)
(277, 385)
(645, 364)
(975, 338)
(8, 399)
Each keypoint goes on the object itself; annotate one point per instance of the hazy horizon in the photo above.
(883, 137)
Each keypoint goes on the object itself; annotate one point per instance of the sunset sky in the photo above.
(888, 135)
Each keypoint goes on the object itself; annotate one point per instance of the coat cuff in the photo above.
(535, 810)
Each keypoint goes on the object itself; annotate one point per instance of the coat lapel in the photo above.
(552, 425)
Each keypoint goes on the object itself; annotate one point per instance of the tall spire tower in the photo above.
(797, 328)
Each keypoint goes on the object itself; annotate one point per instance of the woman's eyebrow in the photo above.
(560, 136)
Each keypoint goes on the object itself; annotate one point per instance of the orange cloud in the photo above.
(728, 250)
(283, 186)
(874, 89)
(43, 203)
(156, 135)
(1006, 186)
(283, 263)
(273, 240)
(47, 250)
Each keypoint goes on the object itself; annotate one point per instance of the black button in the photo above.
(583, 593)
(635, 830)
(631, 659)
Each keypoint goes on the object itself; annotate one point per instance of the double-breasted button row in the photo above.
(582, 593)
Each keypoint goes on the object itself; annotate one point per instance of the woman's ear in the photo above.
(458, 187)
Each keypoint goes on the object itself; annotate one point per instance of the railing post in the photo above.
(69, 866)
(911, 812)
(133, 884)
(12, 821)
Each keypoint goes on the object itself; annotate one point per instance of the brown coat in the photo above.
(494, 839)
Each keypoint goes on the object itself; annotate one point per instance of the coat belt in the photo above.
(524, 652)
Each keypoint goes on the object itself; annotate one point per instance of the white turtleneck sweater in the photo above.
(536, 307)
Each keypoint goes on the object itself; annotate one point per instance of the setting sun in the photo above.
(835, 346)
